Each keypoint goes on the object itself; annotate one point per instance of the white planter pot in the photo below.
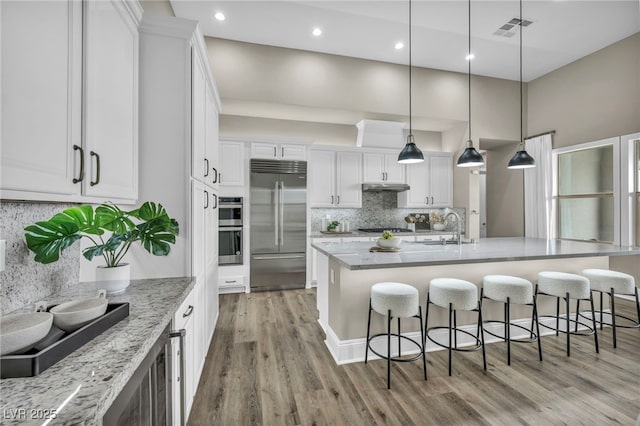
(115, 280)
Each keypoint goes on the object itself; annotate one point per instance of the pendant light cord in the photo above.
(469, 75)
(521, 113)
(410, 123)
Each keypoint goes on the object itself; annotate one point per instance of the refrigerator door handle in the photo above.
(271, 257)
(281, 215)
(276, 220)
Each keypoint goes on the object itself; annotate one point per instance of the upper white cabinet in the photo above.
(110, 101)
(278, 151)
(70, 131)
(335, 179)
(231, 163)
(431, 182)
(382, 168)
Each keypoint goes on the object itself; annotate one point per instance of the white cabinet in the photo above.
(278, 151)
(431, 182)
(183, 320)
(335, 179)
(382, 168)
(70, 132)
(212, 147)
(231, 163)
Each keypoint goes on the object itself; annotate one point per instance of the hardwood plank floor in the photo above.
(268, 365)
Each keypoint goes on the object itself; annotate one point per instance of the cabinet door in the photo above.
(212, 143)
(232, 163)
(417, 179)
(200, 323)
(348, 180)
(293, 152)
(322, 179)
(264, 150)
(41, 107)
(211, 272)
(189, 353)
(200, 201)
(200, 164)
(373, 167)
(110, 101)
(440, 181)
(395, 172)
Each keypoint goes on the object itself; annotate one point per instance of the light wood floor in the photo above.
(268, 365)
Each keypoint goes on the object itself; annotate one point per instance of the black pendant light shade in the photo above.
(521, 160)
(470, 157)
(410, 153)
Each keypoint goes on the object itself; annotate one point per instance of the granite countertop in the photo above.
(356, 255)
(92, 377)
(318, 234)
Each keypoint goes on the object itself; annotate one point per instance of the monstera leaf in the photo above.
(111, 218)
(82, 216)
(48, 239)
(157, 234)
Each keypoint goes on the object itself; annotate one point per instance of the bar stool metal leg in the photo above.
(557, 316)
(399, 339)
(593, 318)
(577, 313)
(484, 354)
(366, 351)
(451, 313)
(507, 328)
(424, 352)
(535, 316)
(613, 316)
(389, 318)
(601, 309)
(568, 325)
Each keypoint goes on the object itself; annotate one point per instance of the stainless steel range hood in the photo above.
(385, 187)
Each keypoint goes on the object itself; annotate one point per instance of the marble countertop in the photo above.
(82, 386)
(356, 255)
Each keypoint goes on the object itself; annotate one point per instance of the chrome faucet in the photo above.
(458, 225)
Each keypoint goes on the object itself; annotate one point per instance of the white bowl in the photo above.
(438, 226)
(19, 332)
(392, 243)
(72, 315)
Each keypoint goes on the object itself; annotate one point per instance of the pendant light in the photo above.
(521, 159)
(410, 153)
(470, 157)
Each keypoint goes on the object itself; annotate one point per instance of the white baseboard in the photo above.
(231, 289)
(353, 350)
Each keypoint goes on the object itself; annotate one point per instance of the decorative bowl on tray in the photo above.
(72, 315)
(19, 332)
(389, 243)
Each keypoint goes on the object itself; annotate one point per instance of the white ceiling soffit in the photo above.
(561, 32)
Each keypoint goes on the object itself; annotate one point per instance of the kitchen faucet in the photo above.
(458, 225)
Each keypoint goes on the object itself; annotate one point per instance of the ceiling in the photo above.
(561, 32)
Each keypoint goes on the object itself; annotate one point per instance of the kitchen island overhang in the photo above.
(347, 271)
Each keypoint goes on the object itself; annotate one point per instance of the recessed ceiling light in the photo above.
(470, 56)
(316, 32)
(399, 45)
(219, 16)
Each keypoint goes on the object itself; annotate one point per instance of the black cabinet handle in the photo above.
(282, 152)
(80, 177)
(275, 153)
(206, 167)
(215, 173)
(215, 197)
(206, 198)
(97, 181)
(188, 312)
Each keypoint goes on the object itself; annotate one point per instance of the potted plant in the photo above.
(111, 231)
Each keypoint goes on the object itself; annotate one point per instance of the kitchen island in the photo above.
(347, 271)
(81, 387)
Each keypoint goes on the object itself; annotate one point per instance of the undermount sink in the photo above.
(446, 242)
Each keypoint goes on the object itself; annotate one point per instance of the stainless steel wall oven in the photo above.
(230, 231)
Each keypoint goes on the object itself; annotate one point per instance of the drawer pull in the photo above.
(229, 282)
(188, 312)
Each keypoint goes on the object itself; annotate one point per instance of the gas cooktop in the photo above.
(379, 230)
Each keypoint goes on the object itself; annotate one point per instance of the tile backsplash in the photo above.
(25, 281)
(379, 209)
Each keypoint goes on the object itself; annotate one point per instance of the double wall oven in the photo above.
(230, 231)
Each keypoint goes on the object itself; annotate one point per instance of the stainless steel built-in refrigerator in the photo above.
(278, 228)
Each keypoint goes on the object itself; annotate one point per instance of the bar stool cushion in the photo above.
(560, 283)
(401, 299)
(604, 280)
(463, 295)
(499, 287)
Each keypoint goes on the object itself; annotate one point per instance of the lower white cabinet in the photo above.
(183, 320)
(431, 182)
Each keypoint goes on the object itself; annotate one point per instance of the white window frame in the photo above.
(615, 142)
(628, 189)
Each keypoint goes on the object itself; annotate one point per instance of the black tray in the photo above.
(33, 362)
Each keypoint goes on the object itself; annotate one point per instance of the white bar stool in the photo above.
(508, 289)
(395, 300)
(456, 295)
(568, 286)
(612, 283)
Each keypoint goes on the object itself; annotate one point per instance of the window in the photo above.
(637, 185)
(585, 193)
